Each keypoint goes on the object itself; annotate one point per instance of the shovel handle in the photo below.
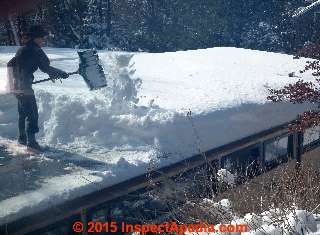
(76, 72)
(51, 79)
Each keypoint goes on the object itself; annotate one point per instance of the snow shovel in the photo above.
(89, 69)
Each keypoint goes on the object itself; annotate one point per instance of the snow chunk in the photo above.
(225, 176)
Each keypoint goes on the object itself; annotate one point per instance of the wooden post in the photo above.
(290, 148)
(262, 162)
(299, 146)
(295, 146)
(14, 29)
(84, 220)
(9, 34)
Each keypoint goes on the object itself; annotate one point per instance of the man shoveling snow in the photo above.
(21, 67)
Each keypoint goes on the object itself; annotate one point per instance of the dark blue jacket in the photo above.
(26, 61)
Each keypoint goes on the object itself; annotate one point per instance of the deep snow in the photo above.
(141, 117)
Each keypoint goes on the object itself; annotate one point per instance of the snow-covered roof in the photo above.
(101, 138)
(303, 10)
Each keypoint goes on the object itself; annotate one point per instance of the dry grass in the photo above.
(285, 188)
(282, 188)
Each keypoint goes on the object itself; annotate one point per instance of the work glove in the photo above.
(57, 73)
(63, 74)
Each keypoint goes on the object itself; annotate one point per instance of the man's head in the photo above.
(38, 34)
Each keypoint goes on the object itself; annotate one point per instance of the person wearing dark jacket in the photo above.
(27, 60)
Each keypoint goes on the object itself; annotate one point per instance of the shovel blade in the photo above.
(91, 70)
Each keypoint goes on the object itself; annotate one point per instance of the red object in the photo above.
(18, 7)
(311, 50)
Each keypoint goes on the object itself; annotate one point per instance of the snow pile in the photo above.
(274, 221)
(224, 176)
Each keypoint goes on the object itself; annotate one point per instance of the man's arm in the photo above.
(44, 65)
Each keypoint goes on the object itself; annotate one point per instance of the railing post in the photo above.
(262, 157)
(292, 146)
(84, 220)
(299, 146)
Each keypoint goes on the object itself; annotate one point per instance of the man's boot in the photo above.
(22, 139)
(32, 143)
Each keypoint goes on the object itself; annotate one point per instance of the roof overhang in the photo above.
(18, 7)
